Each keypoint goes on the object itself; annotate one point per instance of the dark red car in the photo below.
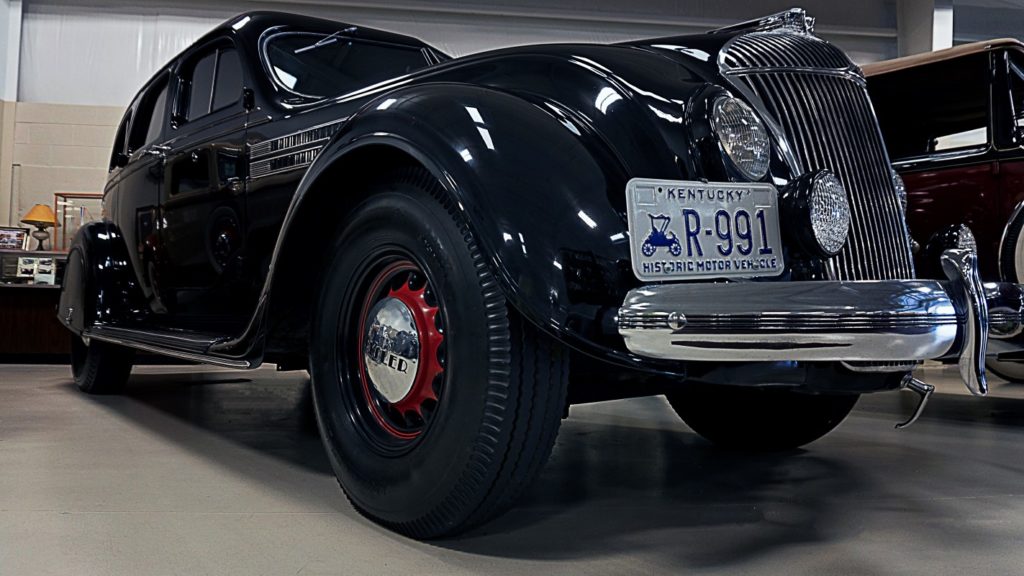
(953, 122)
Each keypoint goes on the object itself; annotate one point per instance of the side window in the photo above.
(200, 92)
(214, 82)
(954, 116)
(119, 140)
(228, 88)
(148, 122)
(1017, 92)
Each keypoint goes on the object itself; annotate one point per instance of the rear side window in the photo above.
(329, 64)
(200, 91)
(228, 86)
(953, 117)
(148, 122)
(214, 82)
(120, 140)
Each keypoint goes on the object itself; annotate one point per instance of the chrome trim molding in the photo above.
(891, 324)
(961, 267)
(1005, 306)
(192, 357)
(299, 139)
(291, 151)
(816, 104)
(814, 321)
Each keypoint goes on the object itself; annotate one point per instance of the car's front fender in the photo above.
(542, 194)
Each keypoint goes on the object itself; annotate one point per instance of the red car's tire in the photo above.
(1011, 251)
(434, 449)
(1009, 371)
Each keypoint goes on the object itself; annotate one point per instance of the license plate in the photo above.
(681, 230)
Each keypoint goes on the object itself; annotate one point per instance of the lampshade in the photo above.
(40, 215)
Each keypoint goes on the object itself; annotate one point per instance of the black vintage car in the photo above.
(457, 249)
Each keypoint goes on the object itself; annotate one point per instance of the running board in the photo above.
(176, 344)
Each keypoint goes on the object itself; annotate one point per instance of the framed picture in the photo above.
(12, 238)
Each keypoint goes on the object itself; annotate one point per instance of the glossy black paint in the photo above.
(532, 145)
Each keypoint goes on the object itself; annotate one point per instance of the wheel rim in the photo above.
(399, 352)
(1018, 258)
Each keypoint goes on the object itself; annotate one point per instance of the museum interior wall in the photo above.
(80, 63)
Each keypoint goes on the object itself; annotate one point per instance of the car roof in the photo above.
(886, 66)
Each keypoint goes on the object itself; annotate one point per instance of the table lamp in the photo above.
(42, 217)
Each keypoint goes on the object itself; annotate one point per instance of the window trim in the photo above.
(963, 152)
(164, 74)
(124, 127)
(274, 33)
(188, 63)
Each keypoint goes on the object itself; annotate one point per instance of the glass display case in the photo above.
(73, 209)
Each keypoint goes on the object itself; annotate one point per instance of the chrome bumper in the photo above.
(898, 321)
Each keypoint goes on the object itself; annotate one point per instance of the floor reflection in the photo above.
(628, 477)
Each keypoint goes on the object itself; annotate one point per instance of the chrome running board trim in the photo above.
(181, 355)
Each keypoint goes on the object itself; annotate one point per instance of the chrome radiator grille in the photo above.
(818, 101)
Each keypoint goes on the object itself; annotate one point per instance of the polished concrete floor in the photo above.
(202, 471)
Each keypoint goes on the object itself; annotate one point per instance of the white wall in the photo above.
(100, 52)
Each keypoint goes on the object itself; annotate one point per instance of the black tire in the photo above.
(1011, 251)
(759, 419)
(100, 367)
(1009, 371)
(497, 403)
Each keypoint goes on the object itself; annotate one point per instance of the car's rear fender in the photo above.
(98, 284)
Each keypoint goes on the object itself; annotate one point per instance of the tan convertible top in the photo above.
(876, 68)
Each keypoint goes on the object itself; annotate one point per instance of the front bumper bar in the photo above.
(888, 321)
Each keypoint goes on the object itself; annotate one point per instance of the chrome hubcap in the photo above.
(391, 349)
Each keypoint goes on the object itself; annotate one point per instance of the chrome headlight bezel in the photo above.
(742, 137)
(818, 208)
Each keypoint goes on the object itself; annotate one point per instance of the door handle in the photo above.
(234, 185)
(157, 150)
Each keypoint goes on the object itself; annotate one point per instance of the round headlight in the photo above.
(742, 135)
(901, 189)
(817, 212)
(830, 212)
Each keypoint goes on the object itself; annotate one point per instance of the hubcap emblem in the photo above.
(391, 349)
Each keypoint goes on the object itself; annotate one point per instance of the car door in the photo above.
(941, 143)
(202, 200)
(137, 193)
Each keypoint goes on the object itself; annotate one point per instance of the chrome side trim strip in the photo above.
(298, 139)
(192, 357)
